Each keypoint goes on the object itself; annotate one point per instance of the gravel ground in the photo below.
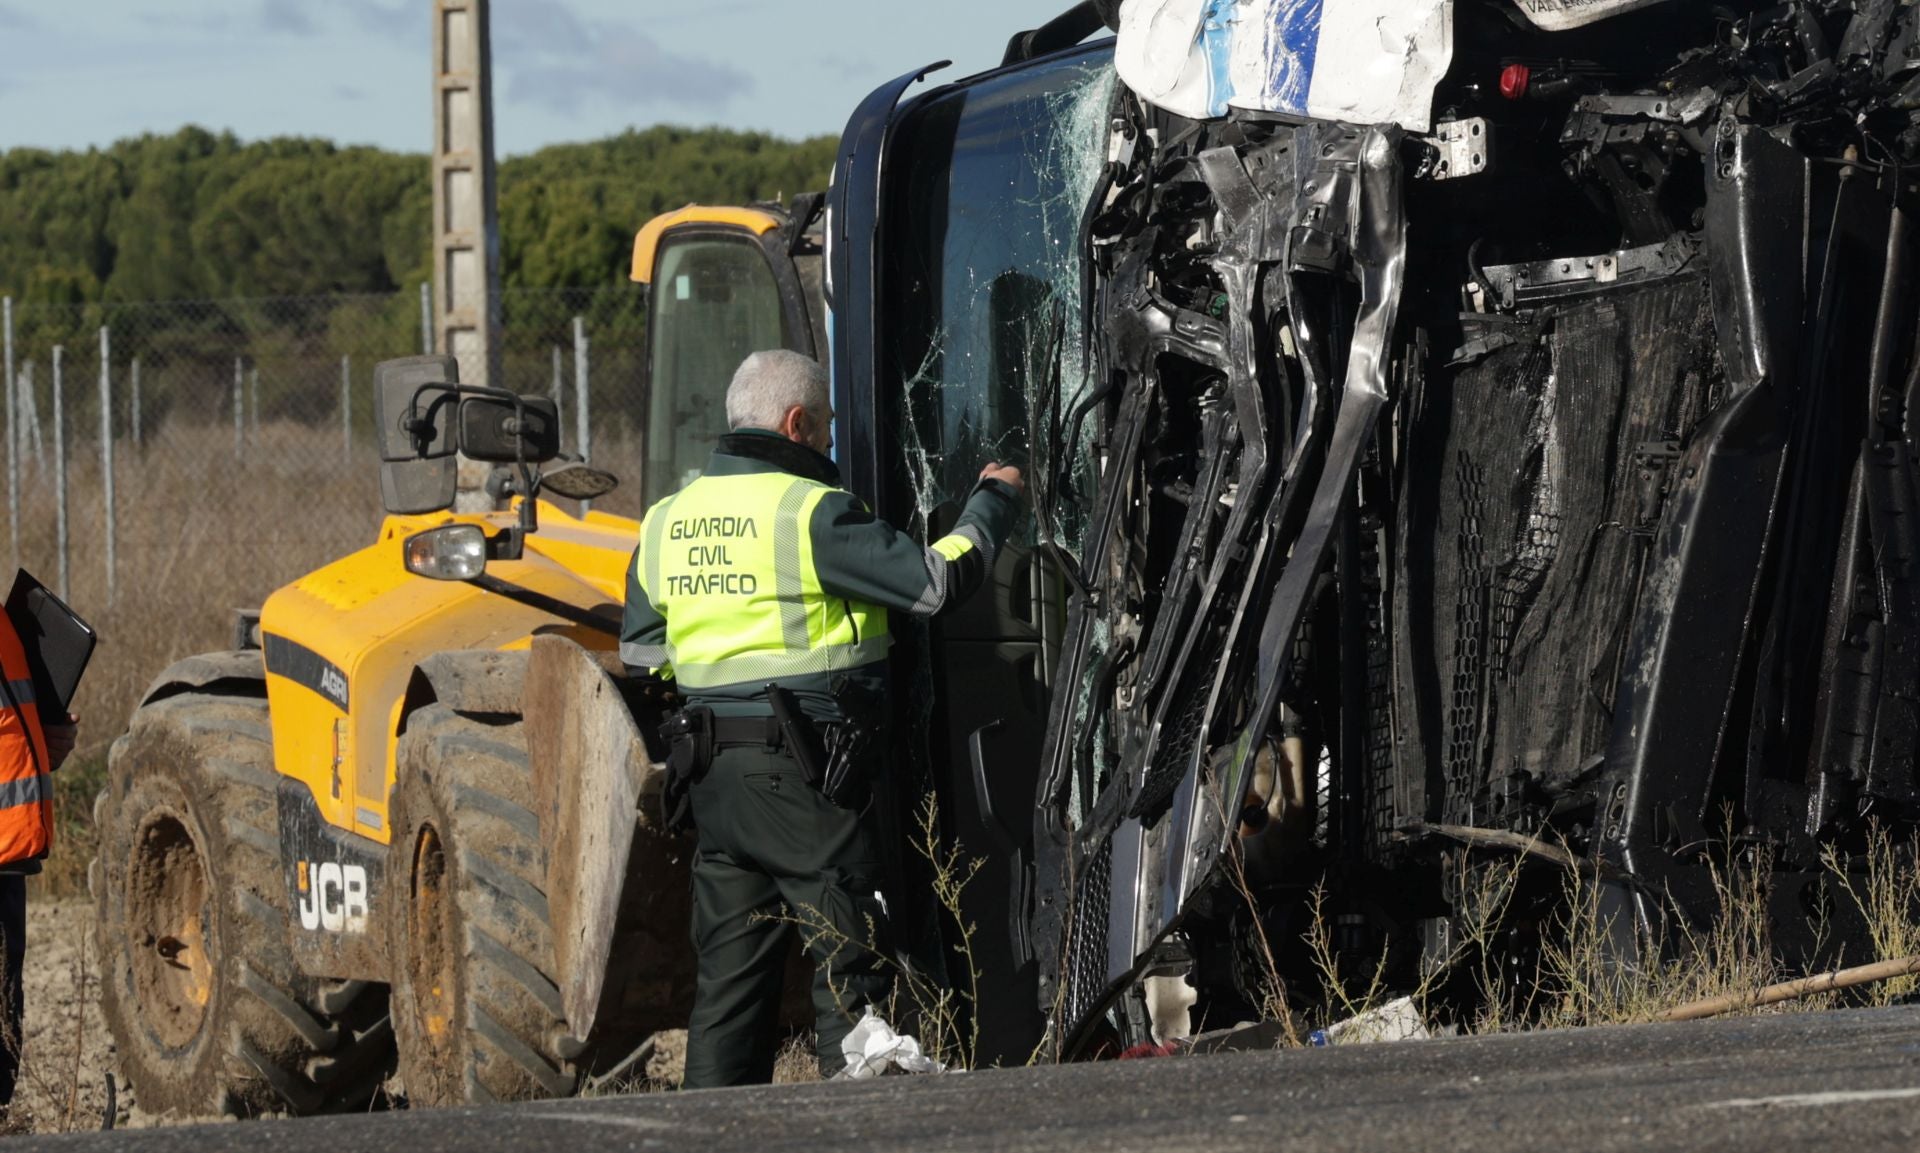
(63, 1068)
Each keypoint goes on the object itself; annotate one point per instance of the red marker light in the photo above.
(1513, 81)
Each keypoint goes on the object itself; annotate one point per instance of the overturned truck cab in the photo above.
(1469, 428)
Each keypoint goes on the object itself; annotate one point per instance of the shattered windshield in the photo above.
(987, 279)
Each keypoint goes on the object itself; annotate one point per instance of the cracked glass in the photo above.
(987, 282)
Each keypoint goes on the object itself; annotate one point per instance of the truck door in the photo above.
(980, 310)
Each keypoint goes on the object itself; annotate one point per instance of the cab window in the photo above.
(714, 300)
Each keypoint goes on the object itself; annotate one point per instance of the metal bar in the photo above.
(253, 382)
(106, 446)
(583, 436)
(239, 410)
(346, 409)
(426, 318)
(13, 436)
(60, 472)
(134, 418)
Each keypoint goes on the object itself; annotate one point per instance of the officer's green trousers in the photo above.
(771, 852)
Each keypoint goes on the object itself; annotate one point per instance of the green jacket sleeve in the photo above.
(643, 630)
(859, 556)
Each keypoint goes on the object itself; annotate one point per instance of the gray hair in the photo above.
(769, 383)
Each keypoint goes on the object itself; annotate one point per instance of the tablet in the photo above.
(57, 641)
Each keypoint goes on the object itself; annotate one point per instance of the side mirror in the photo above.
(456, 552)
(502, 432)
(417, 441)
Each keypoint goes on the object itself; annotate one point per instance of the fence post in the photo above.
(583, 439)
(135, 422)
(254, 391)
(559, 391)
(13, 436)
(30, 420)
(346, 409)
(106, 444)
(426, 319)
(60, 473)
(239, 411)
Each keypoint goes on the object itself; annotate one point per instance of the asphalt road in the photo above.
(1846, 1082)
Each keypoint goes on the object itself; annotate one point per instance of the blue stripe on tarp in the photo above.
(1216, 45)
(1292, 52)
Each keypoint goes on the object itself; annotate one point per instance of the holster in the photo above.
(689, 737)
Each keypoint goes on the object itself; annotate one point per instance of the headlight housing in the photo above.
(456, 552)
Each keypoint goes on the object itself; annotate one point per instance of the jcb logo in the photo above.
(333, 897)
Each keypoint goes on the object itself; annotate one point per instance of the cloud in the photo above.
(847, 67)
(14, 20)
(398, 20)
(348, 92)
(550, 56)
(284, 16)
(275, 17)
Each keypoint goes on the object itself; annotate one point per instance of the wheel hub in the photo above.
(168, 922)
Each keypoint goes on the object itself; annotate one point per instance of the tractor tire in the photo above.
(208, 1012)
(476, 1012)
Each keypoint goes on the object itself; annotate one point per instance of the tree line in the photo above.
(200, 215)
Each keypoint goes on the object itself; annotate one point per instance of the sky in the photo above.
(84, 73)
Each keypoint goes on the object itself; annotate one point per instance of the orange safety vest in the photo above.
(26, 789)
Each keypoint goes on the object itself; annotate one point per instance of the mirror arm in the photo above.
(545, 604)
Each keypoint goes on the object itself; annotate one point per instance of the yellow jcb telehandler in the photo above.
(409, 812)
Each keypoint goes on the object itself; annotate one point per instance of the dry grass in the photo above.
(1585, 983)
(937, 1014)
(1582, 977)
(199, 534)
(1887, 893)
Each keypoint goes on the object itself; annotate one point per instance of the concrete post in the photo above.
(559, 391)
(239, 410)
(583, 434)
(466, 219)
(346, 410)
(13, 435)
(106, 446)
(60, 473)
(35, 439)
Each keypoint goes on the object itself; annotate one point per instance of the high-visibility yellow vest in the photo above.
(728, 561)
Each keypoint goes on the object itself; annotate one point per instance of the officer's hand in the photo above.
(60, 740)
(1007, 475)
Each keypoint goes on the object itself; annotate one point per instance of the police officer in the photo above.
(763, 585)
(31, 747)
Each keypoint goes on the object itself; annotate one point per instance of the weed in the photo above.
(1888, 897)
(942, 1018)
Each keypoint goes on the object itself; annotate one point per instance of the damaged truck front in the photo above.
(1458, 429)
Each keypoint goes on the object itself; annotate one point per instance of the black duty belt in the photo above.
(736, 731)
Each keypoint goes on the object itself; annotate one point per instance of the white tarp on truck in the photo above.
(1360, 61)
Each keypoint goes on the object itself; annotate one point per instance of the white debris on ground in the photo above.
(1393, 1021)
(873, 1049)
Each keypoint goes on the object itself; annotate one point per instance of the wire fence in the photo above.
(170, 462)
